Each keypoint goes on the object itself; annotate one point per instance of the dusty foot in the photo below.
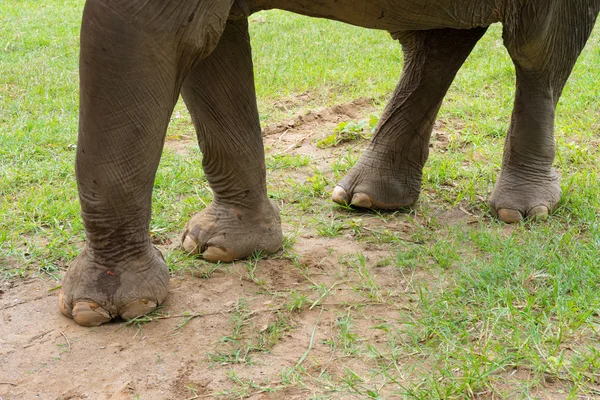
(93, 294)
(517, 195)
(226, 233)
(378, 185)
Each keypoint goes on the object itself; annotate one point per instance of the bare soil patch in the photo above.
(309, 320)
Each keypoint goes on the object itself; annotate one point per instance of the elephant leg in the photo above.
(130, 74)
(389, 173)
(219, 93)
(544, 53)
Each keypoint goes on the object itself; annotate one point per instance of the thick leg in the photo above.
(220, 95)
(388, 175)
(544, 52)
(130, 78)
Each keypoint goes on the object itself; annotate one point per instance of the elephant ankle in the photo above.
(119, 250)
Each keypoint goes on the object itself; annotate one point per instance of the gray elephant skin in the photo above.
(138, 56)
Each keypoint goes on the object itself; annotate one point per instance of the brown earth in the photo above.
(187, 350)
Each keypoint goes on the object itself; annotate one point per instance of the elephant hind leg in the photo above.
(544, 53)
(388, 175)
(130, 81)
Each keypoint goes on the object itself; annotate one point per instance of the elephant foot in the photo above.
(518, 195)
(226, 233)
(373, 185)
(93, 293)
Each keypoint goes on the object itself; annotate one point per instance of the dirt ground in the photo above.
(183, 352)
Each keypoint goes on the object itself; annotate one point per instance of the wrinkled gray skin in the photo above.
(137, 56)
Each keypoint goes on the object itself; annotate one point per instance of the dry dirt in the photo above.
(44, 355)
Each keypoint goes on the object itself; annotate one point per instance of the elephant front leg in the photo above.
(220, 94)
(125, 105)
(388, 175)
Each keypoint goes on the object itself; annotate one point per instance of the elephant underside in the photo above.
(394, 16)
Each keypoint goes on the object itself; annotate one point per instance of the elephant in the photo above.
(138, 56)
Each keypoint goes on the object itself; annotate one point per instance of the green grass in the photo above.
(244, 340)
(462, 310)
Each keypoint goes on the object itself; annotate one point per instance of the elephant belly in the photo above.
(396, 15)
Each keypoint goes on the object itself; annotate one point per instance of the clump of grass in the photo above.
(350, 131)
(328, 227)
(286, 161)
(245, 339)
(297, 301)
(366, 279)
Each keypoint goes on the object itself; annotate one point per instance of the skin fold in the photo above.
(138, 56)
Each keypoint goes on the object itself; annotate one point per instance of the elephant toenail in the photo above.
(361, 200)
(510, 216)
(190, 245)
(538, 212)
(89, 314)
(215, 254)
(65, 308)
(137, 308)
(339, 195)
